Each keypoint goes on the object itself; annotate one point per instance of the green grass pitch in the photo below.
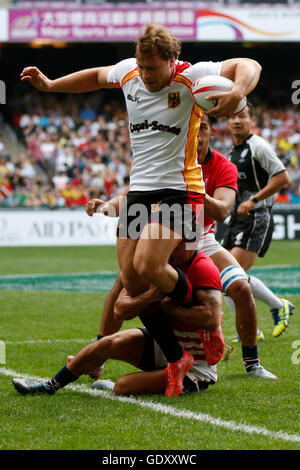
(41, 327)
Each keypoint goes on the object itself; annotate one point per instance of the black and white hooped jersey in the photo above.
(256, 162)
(163, 126)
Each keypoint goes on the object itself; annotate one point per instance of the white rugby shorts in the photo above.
(209, 245)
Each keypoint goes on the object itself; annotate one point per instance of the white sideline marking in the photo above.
(50, 341)
(169, 410)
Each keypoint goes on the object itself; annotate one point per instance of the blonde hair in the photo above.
(156, 39)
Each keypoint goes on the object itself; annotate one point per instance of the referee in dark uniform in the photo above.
(260, 175)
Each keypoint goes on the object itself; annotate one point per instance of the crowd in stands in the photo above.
(77, 148)
(72, 152)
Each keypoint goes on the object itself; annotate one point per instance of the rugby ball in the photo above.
(210, 85)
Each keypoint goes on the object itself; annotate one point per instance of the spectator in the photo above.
(294, 163)
(97, 165)
(20, 197)
(92, 151)
(51, 199)
(5, 170)
(109, 181)
(282, 197)
(60, 181)
(2, 146)
(74, 196)
(87, 112)
(65, 160)
(295, 195)
(6, 191)
(283, 141)
(96, 183)
(34, 198)
(98, 125)
(24, 167)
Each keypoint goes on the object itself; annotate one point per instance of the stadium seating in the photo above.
(74, 150)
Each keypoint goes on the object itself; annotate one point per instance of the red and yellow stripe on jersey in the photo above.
(192, 172)
(129, 76)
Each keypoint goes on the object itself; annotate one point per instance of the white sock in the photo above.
(230, 303)
(261, 292)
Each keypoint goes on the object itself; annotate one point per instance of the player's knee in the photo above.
(111, 343)
(240, 291)
(234, 278)
(146, 267)
(140, 264)
(132, 283)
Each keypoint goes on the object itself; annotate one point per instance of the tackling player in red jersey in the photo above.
(220, 177)
(198, 330)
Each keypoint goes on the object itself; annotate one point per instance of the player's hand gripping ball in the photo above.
(210, 85)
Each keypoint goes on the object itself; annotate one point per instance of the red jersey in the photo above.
(218, 172)
(204, 345)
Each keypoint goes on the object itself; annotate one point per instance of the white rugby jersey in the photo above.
(163, 126)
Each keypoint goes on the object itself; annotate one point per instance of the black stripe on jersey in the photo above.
(224, 186)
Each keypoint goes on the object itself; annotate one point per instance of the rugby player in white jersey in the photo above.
(163, 125)
(220, 177)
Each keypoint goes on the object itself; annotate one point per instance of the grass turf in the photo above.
(72, 420)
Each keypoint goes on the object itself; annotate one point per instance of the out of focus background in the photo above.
(58, 150)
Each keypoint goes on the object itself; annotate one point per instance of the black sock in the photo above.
(158, 325)
(99, 337)
(62, 378)
(182, 293)
(250, 357)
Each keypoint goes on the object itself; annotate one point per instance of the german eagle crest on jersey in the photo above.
(174, 99)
